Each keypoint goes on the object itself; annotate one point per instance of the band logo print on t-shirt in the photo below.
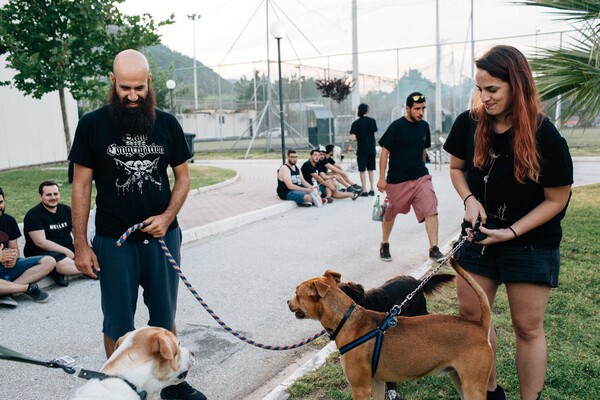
(133, 173)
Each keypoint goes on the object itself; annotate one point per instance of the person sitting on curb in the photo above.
(18, 275)
(312, 170)
(47, 229)
(335, 170)
(290, 183)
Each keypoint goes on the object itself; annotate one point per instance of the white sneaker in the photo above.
(8, 301)
(316, 199)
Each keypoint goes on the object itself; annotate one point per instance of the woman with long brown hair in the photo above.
(513, 171)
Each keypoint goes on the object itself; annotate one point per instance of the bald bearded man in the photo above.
(126, 147)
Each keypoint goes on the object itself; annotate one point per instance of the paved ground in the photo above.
(245, 274)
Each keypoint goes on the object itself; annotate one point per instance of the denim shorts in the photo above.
(22, 265)
(504, 264)
(124, 269)
(296, 195)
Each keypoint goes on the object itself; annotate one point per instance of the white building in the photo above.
(31, 130)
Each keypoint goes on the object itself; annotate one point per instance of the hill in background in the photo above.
(183, 73)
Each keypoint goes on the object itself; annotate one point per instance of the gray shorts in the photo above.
(504, 264)
(125, 269)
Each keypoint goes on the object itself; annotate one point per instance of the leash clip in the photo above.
(66, 363)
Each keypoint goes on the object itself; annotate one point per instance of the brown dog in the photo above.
(416, 347)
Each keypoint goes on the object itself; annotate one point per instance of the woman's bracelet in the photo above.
(467, 198)
(513, 231)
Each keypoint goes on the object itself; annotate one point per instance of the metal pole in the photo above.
(195, 17)
(281, 102)
(438, 81)
(171, 92)
(355, 73)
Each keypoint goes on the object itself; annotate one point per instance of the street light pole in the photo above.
(195, 17)
(171, 84)
(278, 31)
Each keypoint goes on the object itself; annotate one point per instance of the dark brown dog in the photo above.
(416, 347)
(393, 292)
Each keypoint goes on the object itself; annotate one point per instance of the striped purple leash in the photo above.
(183, 278)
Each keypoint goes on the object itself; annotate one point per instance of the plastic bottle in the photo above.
(377, 209)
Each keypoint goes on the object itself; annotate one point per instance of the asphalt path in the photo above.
(245, 276)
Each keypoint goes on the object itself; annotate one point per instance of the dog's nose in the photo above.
(288, 302)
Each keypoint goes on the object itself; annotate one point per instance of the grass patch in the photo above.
(21, 186)
(572, 323)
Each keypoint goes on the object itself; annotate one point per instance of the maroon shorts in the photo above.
(418, 193)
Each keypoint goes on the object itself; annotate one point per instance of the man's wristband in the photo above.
(513, 231)
(467, 198)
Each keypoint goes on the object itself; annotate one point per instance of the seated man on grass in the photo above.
(47, 229)
(18, 275)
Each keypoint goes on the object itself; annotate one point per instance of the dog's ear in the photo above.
(166, 347)
(336, 276)
(353, 290)
(321, 288)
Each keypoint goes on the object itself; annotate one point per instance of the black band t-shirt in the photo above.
(364, 129)
(130, 172)
(57, 227)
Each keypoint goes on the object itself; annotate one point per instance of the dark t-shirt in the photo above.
(130, 172)
(323, 163)
(57, 227)
(307, 169)
(364, 128)
(505, 200)
(9, 229)
(406, 142)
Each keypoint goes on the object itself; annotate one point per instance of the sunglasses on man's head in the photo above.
(418, 97)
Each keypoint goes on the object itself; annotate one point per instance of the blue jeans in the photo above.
(296, 195)
(22, 265)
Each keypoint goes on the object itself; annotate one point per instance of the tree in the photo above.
(58, 45)
(575, 69)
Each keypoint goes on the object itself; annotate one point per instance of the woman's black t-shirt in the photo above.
(504, 199)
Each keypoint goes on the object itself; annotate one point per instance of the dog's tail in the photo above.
(486, 312)
(437, 282)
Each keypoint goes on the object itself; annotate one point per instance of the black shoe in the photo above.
(37, 294)
(435, 254)
(357, 187)
(183, 391)
(8, 301)
(364, 194)
(384, 252)
(58, 278)
(350, 189)
(356, 194)
(372, 193)
(497, 394)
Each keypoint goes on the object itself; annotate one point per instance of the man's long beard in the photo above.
(133, 122)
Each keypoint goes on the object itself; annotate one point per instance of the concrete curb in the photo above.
(236, 221)
(317, 361)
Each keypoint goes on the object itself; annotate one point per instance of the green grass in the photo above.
(21, 186)
(572, 325)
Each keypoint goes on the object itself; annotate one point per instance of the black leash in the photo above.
(65, 363)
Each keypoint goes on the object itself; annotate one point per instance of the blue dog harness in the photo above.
(390, 321)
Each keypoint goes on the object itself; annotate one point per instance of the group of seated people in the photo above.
(319, 181)
(48, 249)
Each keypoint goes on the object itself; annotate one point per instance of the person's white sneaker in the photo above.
(316, 199)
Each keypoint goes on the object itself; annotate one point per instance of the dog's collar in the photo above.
(333, 335)
(86, 374)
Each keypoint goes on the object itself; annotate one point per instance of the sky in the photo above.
(232, 36)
